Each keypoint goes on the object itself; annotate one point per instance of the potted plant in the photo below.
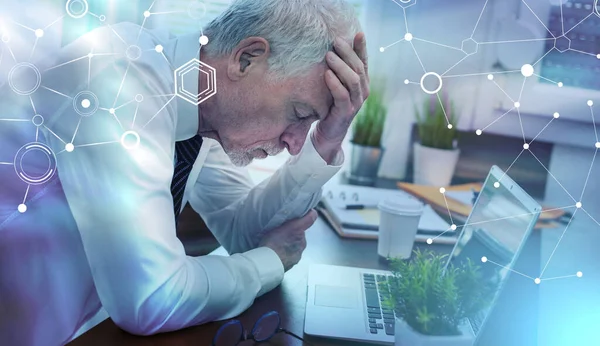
(432, 302)
(436, 152)
(367, 130)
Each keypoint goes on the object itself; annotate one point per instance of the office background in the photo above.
(565, 147)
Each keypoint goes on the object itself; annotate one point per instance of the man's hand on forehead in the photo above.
(348, 81)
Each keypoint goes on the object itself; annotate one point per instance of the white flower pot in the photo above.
(434, 167)
(406, 336)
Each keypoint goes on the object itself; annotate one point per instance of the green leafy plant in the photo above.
(369, 122)
(433, 301)
(433, 124)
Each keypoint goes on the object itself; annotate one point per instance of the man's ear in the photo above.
(250, 54)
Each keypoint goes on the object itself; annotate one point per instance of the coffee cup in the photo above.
(398, 225)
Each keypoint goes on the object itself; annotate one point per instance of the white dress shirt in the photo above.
(99, 239)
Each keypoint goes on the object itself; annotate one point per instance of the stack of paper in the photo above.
(352, 211)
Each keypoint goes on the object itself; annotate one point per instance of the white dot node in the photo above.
(537, 281)
(139, 98)
(483, 259)
(5, 38)
(527, 70)
(453, 227)
(22, 208)
(560, 84)
(39, 33)
(579, 274)
(429, 241)
(203, 40)
(102, 17)
(479, 132)
(450, 126)
(69, 147)
(90, 55)
(146, 14)
(111, 111)
(158, 48)
(517, 104)
(381, 49)
(408, 36)
(526, 146)
(556, 115)
(496, 184)
(598, 145)
(578, 205)
(490, 76)
(85, 103)
(406, 81)
(442, 190)
(598, 56)
(590, 103)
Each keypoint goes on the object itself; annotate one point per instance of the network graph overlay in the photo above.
(85, 103)
(470, 47)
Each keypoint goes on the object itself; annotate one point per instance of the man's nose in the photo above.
(294, 141)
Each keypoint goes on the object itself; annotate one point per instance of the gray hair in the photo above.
(299, 32)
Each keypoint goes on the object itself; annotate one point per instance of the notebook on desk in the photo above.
(352, 212)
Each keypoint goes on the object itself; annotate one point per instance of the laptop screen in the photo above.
(498, 224)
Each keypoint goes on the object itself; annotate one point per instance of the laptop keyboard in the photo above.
(380, 319)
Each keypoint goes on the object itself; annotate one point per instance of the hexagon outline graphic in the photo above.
(405, 3)
(597, 8)
(184, 94)
(187, 92)
(462, 45)
(210, 87)
(562, 37)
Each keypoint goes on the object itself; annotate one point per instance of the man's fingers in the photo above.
(341, 96)
(302, 223)
(310, 218)
(360, 47)
(346, 75)
(345, 51)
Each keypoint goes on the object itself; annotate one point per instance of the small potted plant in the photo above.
(436, 153)
(367, 130)
(433, 303)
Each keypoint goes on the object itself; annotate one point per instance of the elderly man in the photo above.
(131, 146)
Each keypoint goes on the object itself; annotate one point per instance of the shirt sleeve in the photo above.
(117, 183)
(237, 212)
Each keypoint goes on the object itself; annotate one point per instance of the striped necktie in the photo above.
(187, 153)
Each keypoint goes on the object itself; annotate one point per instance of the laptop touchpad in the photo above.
(336, 296)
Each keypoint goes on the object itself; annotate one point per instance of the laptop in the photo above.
(345, 303)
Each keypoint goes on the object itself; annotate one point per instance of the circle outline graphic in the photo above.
(437, 89)
(73, 15)
(138, 52)
(38, 76)
(191, 9)
(137, 140)
(18, 163)
(37, 116)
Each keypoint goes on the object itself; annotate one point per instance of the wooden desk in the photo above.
(514, 324)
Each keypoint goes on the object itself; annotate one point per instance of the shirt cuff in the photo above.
(269, 268)
(308, 167)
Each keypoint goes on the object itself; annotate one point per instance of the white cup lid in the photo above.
(401, 206)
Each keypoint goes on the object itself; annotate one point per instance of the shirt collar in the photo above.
(179, 52)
